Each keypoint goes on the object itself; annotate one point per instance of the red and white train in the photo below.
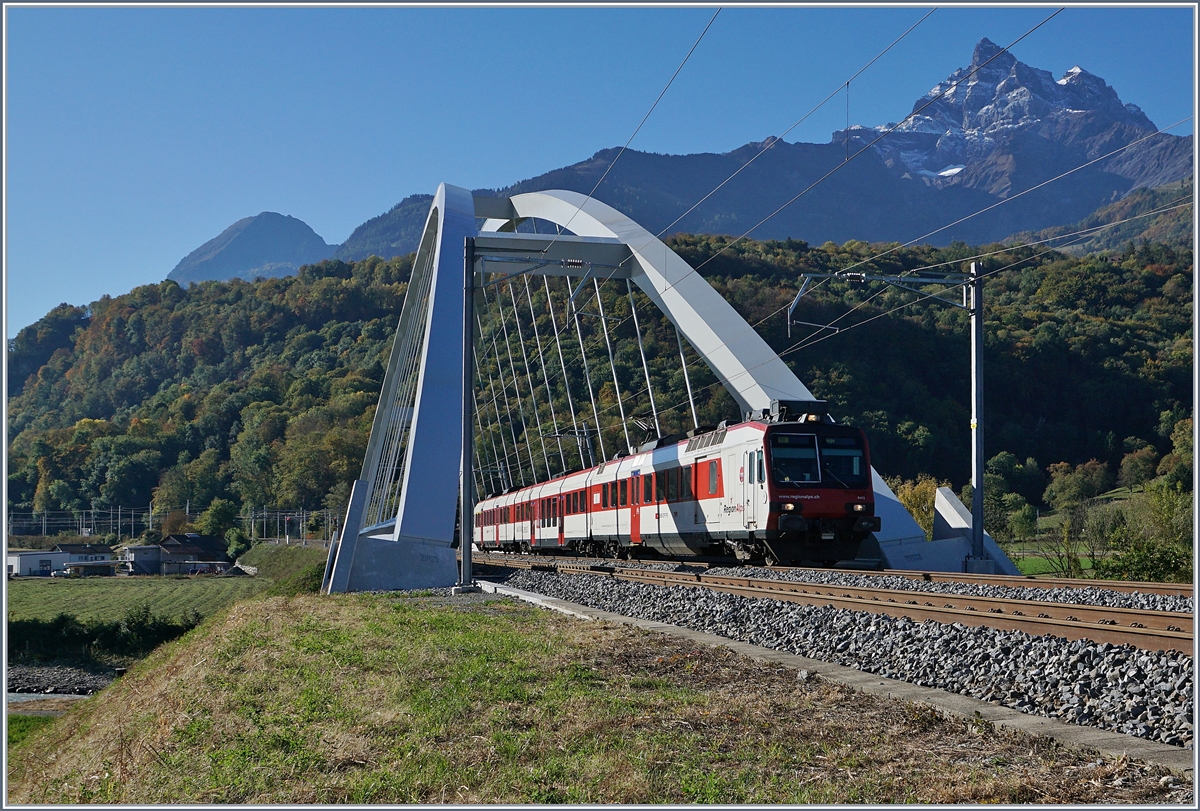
(789, 486)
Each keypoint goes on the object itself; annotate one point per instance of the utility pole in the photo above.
(978, 562)
(977, 473)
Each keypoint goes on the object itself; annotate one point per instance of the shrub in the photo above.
(306, 581)
(136, 634)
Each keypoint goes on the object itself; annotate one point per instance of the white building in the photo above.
(38, 563)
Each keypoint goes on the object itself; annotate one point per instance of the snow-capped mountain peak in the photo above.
(964, 118)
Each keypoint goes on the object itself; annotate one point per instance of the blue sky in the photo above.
(133, 135)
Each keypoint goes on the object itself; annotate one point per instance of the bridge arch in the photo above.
(400, 525)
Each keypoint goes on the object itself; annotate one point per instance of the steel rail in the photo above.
(1148, 630)
(1023, 581)
(1126, 586)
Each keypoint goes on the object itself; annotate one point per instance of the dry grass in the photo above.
(369, 699)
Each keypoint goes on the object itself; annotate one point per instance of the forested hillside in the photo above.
(263, 392)
(1162, 215)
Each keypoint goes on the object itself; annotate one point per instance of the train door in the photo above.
(562, 532)
(635, 509)
(749, 490)
(763, 507)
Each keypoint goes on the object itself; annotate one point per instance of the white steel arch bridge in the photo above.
(462, 330)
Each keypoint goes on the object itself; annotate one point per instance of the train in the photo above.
(786, 486)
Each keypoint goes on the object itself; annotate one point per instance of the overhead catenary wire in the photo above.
(887, 132)
(912, 242)
(707, 196)
(1074, 237)
(636, 129)
(884, 134)
(583, 355)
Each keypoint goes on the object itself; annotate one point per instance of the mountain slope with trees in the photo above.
(263, 393)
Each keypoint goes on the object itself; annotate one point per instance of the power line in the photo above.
(636, 131)
(1018, 195)
(1075, 236)
(969, 216)
(883, 135)
(801, 120)
(1081, 235)
(765, 147)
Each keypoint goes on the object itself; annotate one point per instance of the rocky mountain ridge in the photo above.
(992, 131)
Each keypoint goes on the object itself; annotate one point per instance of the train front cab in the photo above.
(817, 480)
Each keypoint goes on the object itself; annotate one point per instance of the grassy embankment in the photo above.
(408, 698)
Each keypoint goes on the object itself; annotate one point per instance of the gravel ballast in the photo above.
(56, 680)
(1113, 687)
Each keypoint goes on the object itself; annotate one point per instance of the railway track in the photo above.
(1029, 581)
(1148, 630)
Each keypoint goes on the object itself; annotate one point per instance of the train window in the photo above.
(673, 484)
(604, 495)
(794, 459)
(623, 491)
(842, 460)
(648, 488)
(660, 485)
(750, 471)
(762, 471)
(635, 490)
(712, 477)
(686, 481)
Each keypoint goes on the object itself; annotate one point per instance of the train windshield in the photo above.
(794, 459)
(842, 461)
(837, 461)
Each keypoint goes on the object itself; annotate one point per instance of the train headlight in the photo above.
(789, 506)
(858, 508)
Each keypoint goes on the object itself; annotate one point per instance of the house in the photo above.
(141, 559)
(37, 563)
(178, 554)
(88, 558)
(193, 554)
(85, 552)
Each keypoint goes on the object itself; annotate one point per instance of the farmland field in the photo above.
(108, 598)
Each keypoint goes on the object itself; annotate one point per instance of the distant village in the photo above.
(186, 554)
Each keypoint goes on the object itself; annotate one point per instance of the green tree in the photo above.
(220, 516)
(1138, 467)
(238, 543)
(1176, 466)
(1070, 487)
(918, 497)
